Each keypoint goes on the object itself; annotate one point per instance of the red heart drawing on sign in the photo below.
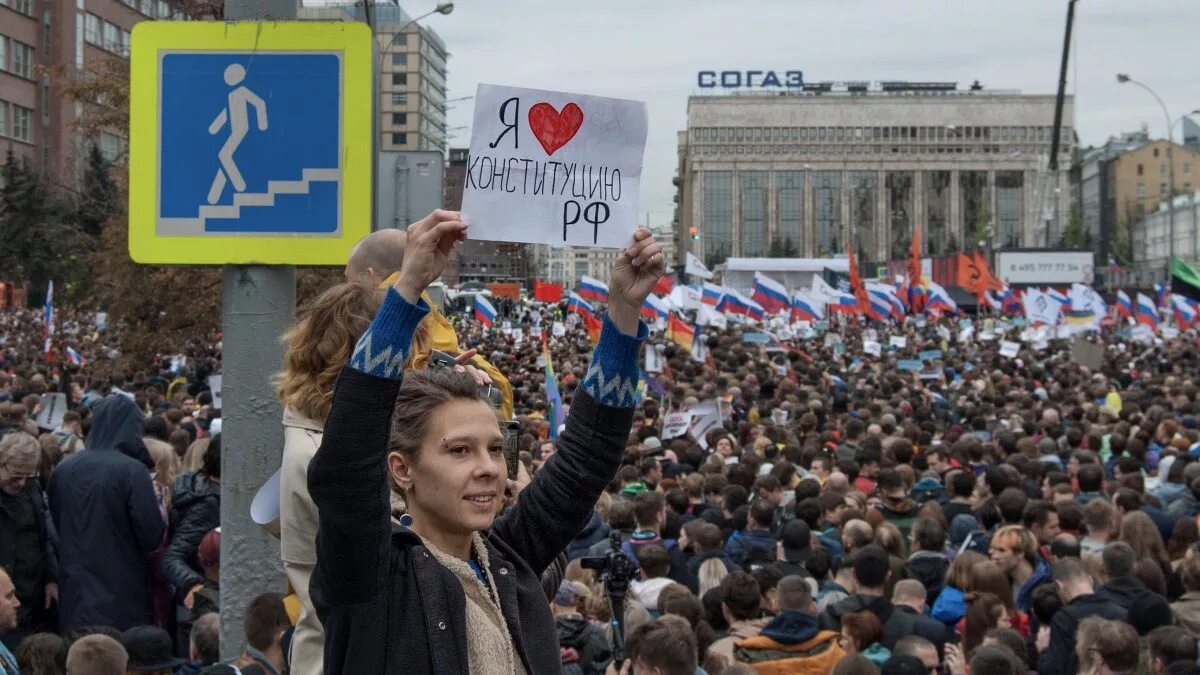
(553, 128)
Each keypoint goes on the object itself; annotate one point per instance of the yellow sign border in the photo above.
(352, 39)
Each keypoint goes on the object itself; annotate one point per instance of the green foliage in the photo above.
(36, 243)
(1075, 236)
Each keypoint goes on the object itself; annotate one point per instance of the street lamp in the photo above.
(1123, 78)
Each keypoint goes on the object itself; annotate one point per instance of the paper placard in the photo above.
(214, 386)
(549, 167)
(779, 416)
(931, 354)
(676, 424)
(912, 365)
(987, 336)
(1169, 332)
(756, 338)
(944, 333)
(832, 339)
(966, 334)
(1010, 349)
(557, 329)
(653, 361)
(51, 409)
(1087, 353)
(873, 348)
(898, 341)
(535, 332)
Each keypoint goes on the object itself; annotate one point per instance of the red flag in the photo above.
(544, 291)
(859, 289)
(680, 332)
(664, 286)
(593, 327)
(914, 283)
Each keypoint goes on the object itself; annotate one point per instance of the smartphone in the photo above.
(512, 447)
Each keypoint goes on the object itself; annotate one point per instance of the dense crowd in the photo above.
(987, 514)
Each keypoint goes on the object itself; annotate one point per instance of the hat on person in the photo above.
(209, 552)
(566, 595)
(149, 649)
(652, 446)
(797, 541)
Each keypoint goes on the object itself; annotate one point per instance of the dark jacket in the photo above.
(929, 567)
(739, 548)
(1123, 591)
(695, 562)
(28, 545)
(594, 532)
(896, 621)
(386, 603)
(589, 642)
(1059, 656)
(103, 505)
(197, 501)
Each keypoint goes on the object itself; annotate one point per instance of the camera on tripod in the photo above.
(615, 570)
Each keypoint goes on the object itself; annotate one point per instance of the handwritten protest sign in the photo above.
(1010, 349)
(557, 329)
(871, 347)
(676, 424)
(548, 167)
(898, 341)
(214, 386)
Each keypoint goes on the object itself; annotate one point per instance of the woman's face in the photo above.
(456, 483)
(848, 643)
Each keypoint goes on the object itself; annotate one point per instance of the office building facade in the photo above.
(802, 173)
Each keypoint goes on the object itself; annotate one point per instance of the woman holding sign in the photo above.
(435, 594)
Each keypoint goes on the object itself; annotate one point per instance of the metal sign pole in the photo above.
(258, 302)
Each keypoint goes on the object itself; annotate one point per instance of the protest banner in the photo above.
(50, 411)
(557, 329)
(1086, 353)
(898, 341)
(676, 424)
(871, 347)
(912, 365)
(653, 361)
(549, 167)
(930, 354)
(1010, 349)
(214, 386)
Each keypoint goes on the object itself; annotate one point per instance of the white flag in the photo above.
(696, 268)
(823, 291)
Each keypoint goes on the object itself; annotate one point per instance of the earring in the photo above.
(406, 520)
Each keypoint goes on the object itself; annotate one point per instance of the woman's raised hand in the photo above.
(430, 241)
(634, 275)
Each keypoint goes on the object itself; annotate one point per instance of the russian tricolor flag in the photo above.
(74, 357)
(753, 309)
(1124, 305)
(593, 289)
(993, 301)
(655, 308)
(885, 300)
(1146, 312)
(845, 303)
(805, 308)
(484, 312)
(940, 300)
(770, 293)
(1185, 311)
(1057, 295)
(578, 305)
(1160, 295)
(711, 295)
(1010, 302)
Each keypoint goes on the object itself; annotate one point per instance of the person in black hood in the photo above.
(196, 498)
(928, 563)
(1123, 588)
(103, 505)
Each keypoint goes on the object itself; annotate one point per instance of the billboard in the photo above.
(1058, 268)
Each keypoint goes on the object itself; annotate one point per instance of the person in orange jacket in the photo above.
(792, 642)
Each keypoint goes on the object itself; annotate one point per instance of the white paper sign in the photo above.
(1169, 332)
(557, 329)
(548, 167)
(653, 361)
(214, 385)
(1010, 349)
(676, 424)
(871, 347)
(779, 417)
(898, 341)
(50, 414)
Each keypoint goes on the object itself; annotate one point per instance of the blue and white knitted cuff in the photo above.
(612, 377)
(383, 349)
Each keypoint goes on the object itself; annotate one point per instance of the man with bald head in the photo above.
(376, 256)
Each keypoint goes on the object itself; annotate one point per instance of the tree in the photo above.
(35, 243)
(1074, 236)
(98, 199)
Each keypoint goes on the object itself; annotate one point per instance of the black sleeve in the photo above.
(347, 479)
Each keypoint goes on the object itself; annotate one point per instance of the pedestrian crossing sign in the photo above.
(250, 142)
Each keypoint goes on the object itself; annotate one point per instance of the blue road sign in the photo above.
(249, 143)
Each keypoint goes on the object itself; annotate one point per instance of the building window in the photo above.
(112, 37)
(400, 79)
(91, 30)
(399, 59)
(753, 186)
(22, 60)
(1156, 152)
(827, 187)
(937, 212)
(400, 39)
(1141, 189)
(717, 220)
(1187, 168)
(3, 53)
(789, 186)
(1140, 169)
(3, 119)
(1162, 189)
(23, 6)
(110, 146)
(22, 124)
(1162, 169)
(399, 119)
(899, 185)
(399, 139)
(399, 99)
(146, 7)
(863, 186)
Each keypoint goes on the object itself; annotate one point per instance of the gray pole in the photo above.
(257, 304)
(1122, 78)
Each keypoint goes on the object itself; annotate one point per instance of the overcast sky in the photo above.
(650, 50)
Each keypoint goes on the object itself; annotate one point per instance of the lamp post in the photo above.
(1125, 79)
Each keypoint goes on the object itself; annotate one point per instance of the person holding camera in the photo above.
(433, 594)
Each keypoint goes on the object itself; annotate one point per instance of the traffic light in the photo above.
(695, 233)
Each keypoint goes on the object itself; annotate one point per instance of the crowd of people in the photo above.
(989, 514)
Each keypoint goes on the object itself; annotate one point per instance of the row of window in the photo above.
(105, 35)
(1163, 170)
(21, 126)
(23, 6)
(1013, 151)
(1162, 189)
(950, 133)
(16, 57)
(156, 9)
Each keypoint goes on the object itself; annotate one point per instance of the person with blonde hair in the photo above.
(194, 457)
(97, 655)
(29, 557)
(1014, 549)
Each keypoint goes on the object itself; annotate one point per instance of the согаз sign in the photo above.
(736, 79)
